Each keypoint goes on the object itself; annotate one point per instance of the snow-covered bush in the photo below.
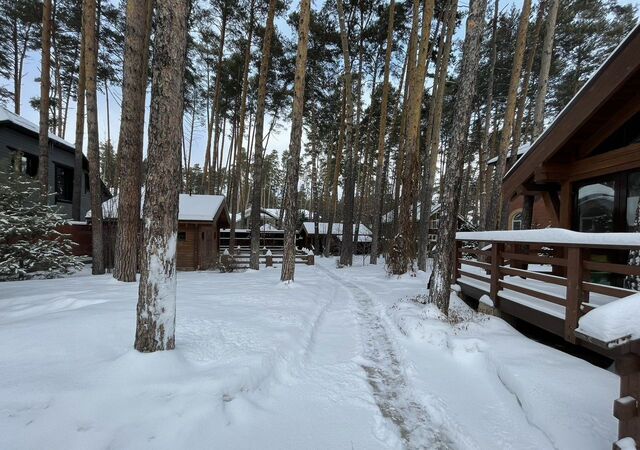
(30, 245)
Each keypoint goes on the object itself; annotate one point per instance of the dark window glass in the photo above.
(595, 209)
(63, 183)
(516, 222)
(633, 202)
(87, 184)
(182, 235)
(24, 163)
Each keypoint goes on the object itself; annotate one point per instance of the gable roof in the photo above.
(616, 82)
(32, 128)
(336, 228)
(191, 208)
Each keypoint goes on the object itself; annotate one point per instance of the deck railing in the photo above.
(572, 266)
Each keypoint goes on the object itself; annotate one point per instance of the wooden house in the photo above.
(306, 237)
(200, 218)
(585, 168)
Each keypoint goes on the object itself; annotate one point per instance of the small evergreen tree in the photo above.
(30, 245)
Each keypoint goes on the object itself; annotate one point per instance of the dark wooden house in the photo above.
(19, 149)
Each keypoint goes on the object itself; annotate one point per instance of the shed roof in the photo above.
(336, 228)
(191, 208)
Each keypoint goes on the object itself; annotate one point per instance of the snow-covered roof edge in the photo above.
(596, 73)
(8, 116)
(554, 236)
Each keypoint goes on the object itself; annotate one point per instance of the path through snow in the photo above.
(387, 378)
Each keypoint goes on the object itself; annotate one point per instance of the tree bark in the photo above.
(433, 134)
(93, 145)
(405, 242)
(237, 164)
(259, 151)
(136, 61)
(483, 169)
(545, 67)
(346, 249)
(291, 197)
(45, 85)
(444, 261)
(495, 209)
(155, 328)
(78, 169)
(382, 133)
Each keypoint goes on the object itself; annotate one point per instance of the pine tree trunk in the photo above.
(346, 249)
(136, 59)
(259, 151)
(545, 67)
(444, 261)
(495, 206)
(483, 180)
(524, 89)
(237, 164)
(382, 134)
(405, 241)
(291, 195)
(45, 85)
(78, 169)
(433, 134)
(155, 329)
(93, 150)
(336, 176)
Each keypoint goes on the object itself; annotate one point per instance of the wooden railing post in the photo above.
(269, 259)
(574, 292)
(310, 259)
(497, 248)
(626, 409)
(458, 263)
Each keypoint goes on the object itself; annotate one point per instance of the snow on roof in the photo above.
(554, 236)
(8, 116)
(336, 228)
(521, 151)
(190, 207)
(613, 321)
(574, 99)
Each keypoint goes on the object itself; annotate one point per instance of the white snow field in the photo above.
(340, 359)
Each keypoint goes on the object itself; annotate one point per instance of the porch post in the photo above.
(574, 292)
(626, 408)
(497, 248)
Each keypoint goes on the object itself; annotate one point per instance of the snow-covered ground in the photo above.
(342, 358)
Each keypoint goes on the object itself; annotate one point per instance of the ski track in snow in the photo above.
(387, 379)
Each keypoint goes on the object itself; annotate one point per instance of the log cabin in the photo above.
(200, 218)
(585, 169)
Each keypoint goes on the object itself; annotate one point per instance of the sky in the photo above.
(278, 141)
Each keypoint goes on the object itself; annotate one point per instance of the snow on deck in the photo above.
(554, 236)
(616, 320)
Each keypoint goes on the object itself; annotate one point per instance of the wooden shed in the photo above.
(200, 218)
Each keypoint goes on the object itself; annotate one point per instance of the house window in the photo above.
(182, 235)
(433, 237)
(63, 183)
(434, 223)
(87, 183)
(516, 221)
(24, 163)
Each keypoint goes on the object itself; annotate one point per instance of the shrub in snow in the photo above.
(30, 245)
(632, 281)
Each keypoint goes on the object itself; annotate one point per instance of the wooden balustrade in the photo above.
(571, 267)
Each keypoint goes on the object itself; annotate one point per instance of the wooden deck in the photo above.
(551, 286)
